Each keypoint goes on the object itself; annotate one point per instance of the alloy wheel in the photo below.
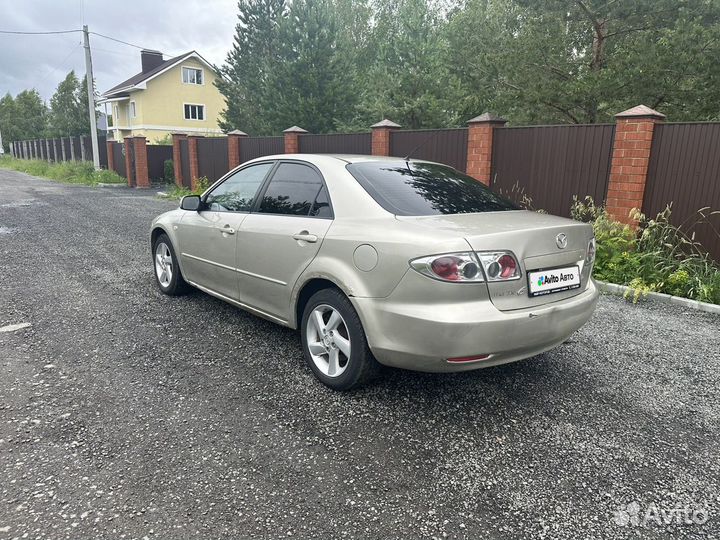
(328, 340)
(163, 264)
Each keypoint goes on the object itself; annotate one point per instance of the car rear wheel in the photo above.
(167, 270)
(334, 342)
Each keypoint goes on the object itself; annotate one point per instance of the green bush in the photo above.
(169, 171)
(68, 172)
(176, 192)
(658, 256)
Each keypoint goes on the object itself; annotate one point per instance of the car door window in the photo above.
(237, 192)
(321, 207)
(295, 189)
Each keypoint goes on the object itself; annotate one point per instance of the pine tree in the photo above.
(311, 84)
(246, 69)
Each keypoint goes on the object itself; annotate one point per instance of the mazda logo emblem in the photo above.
(561, 240)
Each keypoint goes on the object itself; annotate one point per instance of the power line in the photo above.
(21, 33)
(38, 33)
(118, 40)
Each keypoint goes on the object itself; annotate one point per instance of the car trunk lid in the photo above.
(531, 237)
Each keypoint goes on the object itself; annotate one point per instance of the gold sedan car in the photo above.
(376, 260)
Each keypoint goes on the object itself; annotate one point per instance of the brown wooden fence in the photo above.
(212, 157)
(684, 169)
(253, 147)
(550, 164)
(336, 143)
(60, 149)
(119, 159)
(447, 146)
(157, 154)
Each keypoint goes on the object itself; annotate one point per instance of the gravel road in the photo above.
(128, 414)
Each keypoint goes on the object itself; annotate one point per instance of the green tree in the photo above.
(24, 117)
(311, 84)
(248, 64)
(407, 81)
(8, 122)
(585, 60)
(69, 108)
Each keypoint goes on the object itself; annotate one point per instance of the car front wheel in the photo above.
(167, 269)
(334, 342)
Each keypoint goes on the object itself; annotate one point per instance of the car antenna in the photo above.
(423, 143)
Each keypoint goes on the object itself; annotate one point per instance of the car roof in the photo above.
(347, 158)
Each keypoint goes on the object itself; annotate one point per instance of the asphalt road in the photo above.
(128, 414)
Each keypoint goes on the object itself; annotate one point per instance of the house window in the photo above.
(132, 110)
(194, 112)
(192, 75)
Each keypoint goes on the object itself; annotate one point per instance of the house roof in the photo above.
(137, 81)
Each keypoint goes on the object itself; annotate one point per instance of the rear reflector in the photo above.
(463, 359)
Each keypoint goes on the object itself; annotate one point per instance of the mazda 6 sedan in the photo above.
(375, 260)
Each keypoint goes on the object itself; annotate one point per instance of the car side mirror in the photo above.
(190, 202)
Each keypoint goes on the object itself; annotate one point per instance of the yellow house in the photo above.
(168, 96)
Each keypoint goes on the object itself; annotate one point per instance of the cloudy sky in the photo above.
(41, 62)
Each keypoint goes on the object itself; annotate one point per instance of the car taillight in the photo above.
(456, 267)
(499, 265)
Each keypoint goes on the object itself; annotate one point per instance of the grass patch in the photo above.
(67, 172)
(175, 192)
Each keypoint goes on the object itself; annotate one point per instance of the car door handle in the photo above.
(227, 229)
(305, 236)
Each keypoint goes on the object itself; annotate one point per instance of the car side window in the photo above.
(237, 193)
(295, 189)
(321, 206)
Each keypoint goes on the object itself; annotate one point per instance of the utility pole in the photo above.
(91, 98)
(2, 150)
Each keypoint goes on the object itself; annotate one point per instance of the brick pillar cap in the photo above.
(385, 123)
(238, 133)
(487, 118)
(295, 129)
(640, 111)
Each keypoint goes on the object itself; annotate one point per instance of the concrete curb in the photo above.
(104, 184)
(620, 290)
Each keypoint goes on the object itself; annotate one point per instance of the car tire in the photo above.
(166, 268)
(326, 352)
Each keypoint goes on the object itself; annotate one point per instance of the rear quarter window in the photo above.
(410, 188)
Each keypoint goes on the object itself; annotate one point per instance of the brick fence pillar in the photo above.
(110, 155)
(480, 142)
(630, 159)
(129, 169)
(292, 139)
(234, 144)
(381, 134)
(142, 178)
(193, 158)
(177, 157)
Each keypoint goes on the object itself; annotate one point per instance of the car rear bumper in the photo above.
(422, 336)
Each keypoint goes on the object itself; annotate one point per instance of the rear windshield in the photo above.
(408, 188)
